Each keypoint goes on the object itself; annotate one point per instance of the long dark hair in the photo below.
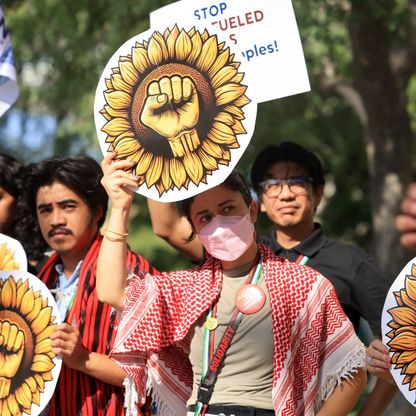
(81, 174)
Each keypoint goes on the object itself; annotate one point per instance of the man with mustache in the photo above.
(67, 206)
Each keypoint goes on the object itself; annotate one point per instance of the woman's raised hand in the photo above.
(117, 182)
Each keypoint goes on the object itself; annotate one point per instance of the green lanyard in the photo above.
(208, 340)
(302, 259)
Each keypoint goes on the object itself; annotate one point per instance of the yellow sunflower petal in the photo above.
(207, 160)
(238, 128)
(13, 405)
(140, 59)
(212, 148)
(105, 114)
(47, 376)
(393, 325)
(404, 341)
(219, 63)
(116, 126)
(127, 147)
(403, 315)
(21, 292)
(35, 310)
(36, 397)
(183, 46)
(193, 167)
(40, 382)
(112, 113)
(242, 101)
(43, 346)
(410, 285)
(205, 35)
(406, 357)
(412, 385)
(208, 55)
(118, 100)
(155, 170)
(128, 72)
(237, 78)
(42, 363)
(235, 111)
(157, 50)
(224, 117)
(177, 172)
(8, 293)
(398, 297)
(144, 163)
(196, 48)
(121, 85)
(46, 333)
(166, 179)
(395, 357)
(109, 84)
(171, 37)
(227, 93)
(226, 157)
(28, 302)
(42, 320)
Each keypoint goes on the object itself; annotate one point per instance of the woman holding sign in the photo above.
(245, 333)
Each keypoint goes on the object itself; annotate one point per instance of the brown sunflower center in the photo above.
(148, 137)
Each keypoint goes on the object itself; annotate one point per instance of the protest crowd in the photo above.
(288, 323)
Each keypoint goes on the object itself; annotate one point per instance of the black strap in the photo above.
(207, 386)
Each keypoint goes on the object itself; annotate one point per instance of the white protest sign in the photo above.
(12, 254)
(30, 369)
(399, 330)
(176, 102)
(263, 34)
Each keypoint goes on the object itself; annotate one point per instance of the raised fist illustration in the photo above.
(171, 109)
(12, 344)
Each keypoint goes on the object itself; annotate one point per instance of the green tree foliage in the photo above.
(359, 89)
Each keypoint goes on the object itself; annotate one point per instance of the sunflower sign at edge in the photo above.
(403, 330)
(28, 367)
(175, 106)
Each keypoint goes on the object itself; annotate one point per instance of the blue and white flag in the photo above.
(9, 89)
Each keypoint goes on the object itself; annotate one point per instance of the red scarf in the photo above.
(77, 393)
(314, 343)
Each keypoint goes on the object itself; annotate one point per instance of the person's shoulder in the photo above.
(347, 249)
(288, 267)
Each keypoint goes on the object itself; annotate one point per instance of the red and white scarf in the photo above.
(314, 343)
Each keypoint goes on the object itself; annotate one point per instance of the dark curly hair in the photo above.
(286, 152)
(81, 174)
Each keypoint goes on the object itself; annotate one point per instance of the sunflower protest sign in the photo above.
(181, 98)
(29, 369)
(12, 254)
(175, 103)
(399, 330)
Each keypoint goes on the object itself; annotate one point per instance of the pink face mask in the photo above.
(227, 238)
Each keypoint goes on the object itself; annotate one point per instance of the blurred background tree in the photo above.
(360, 116)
